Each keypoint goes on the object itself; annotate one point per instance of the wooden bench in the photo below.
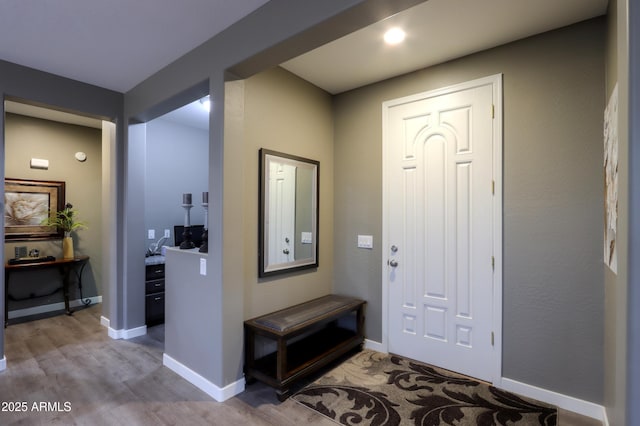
(326, 328)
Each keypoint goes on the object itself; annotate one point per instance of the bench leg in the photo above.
(249, 355)
(283, 394)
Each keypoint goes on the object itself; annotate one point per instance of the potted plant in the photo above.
(66, 220)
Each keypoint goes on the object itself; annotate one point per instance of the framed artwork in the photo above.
(27, 203)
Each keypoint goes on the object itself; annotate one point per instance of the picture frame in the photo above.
(27, 203)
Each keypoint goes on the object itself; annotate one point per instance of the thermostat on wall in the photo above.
(38, 163)
(81, 156)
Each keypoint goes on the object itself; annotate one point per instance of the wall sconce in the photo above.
(37, 163)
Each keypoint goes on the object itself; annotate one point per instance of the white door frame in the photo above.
(496, 82)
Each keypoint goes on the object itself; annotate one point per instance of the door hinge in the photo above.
(493, 263)
(492, 339)
(493, 187)
(493, 111)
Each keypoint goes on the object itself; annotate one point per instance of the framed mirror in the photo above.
(288, 225)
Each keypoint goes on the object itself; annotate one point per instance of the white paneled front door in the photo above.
(440, 227)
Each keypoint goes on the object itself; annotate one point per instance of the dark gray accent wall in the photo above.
(552, 175)
(50, 90)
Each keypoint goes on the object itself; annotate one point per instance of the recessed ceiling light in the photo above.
(394, 36)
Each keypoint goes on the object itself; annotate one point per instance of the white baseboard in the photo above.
(104, 321)
(19, 313)
(3, 363)
(126, 333)
(374, 346)
(211, 389)
(565, 402)
(122, 334)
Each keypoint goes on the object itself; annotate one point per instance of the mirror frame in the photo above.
(264, 268)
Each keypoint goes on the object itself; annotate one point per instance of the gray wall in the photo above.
(631, 79)
(621, 328)
(26, 138)
(188, 315)
(176, 163)
(286, 114)
(553, 271)
(50, 90)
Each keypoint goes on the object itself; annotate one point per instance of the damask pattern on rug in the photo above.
(405, 392)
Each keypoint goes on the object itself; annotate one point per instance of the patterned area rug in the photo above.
(374, 389)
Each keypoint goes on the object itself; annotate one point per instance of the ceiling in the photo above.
(113, 44)
(437, 31)
(91, 40)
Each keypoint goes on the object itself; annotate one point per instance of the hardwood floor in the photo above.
(89, 379)
(111, 382)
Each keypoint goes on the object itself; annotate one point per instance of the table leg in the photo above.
(65, 271)
(86, 302)
(6, 298)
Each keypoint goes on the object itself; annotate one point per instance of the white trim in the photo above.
(565, 402)
(605, 417)
(35, 310)
(496, 82)
(498, 141)
(3, 363)
(104, 321)
(211, 389)
(126, 334)
(374, 346)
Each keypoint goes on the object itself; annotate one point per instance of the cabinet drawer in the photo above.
(154, 286)
(153, 272)
(154, 308)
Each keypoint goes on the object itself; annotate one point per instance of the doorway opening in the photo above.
(43, 144)
(177, 162)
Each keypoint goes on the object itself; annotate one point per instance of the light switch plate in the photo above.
(152, 234)
(365, 241)
(306, 238)
(167, 233)
(203, 266)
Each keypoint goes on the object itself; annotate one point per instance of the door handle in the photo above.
(393, 263)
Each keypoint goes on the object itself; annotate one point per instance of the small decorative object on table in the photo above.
(204, 247)
(186, 205)
(65, 219)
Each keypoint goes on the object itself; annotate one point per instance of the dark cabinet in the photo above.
(154, 294)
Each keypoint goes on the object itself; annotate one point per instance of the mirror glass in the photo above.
(288, 213)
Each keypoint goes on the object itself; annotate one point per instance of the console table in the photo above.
(64, 266)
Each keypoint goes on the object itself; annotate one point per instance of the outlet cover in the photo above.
(167, 233)
(152, 234)
(203, 266)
